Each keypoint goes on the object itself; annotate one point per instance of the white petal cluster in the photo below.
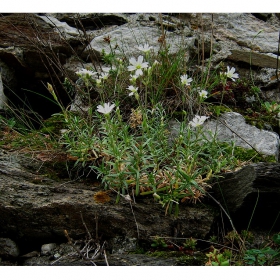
(106, 108)
(198, 120)
(203, 94)
(104, 76)
(132, 90)
(133, 78)
(230, 73)
(144, 48)
(137, 65)
(185, 80)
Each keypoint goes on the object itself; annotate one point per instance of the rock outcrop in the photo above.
(36, 210)
(251, 195)
(36, 49)
(30, 43)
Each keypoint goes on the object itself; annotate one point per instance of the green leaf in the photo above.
(276, 239)
(176, 213)
(225, 263)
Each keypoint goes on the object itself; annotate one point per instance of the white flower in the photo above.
(106, 109)
(230, 73)
(144, 48)
(156, 63)
(133, 78)
(185, 80)
(132, 90)
(104, 76)
(98, 82)
(106, 69)
(137, 65)
(203, 93)
(198, 120)
(85, 72)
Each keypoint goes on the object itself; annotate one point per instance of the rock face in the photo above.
(27, 44)
(30, 42)
(252, 192)
(35, 210)
(232, 127)
(132, 37)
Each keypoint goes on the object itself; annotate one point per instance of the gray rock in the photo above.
(113, 260)
(262, 60)
(91, 21)
(7, 72)
(61, 27)
(8, 248)
(246, 31)
(122, 244)
(231, 126)
(47, 249)
(129, 38)
(272, 95)
(266, 76)
(30, 255)
(21, 49)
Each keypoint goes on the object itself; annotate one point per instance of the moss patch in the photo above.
(251, 155)
(197, 259)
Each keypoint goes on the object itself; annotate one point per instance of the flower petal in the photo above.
(139, 72)
(140, 59)
(131, 68)
(132, 60)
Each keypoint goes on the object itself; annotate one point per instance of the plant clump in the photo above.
(120, 130)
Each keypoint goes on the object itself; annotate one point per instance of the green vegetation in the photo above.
(230, 251)
(121, 131)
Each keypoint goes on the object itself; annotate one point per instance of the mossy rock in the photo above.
(53, 125)
(263, 121)
(217, 110)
